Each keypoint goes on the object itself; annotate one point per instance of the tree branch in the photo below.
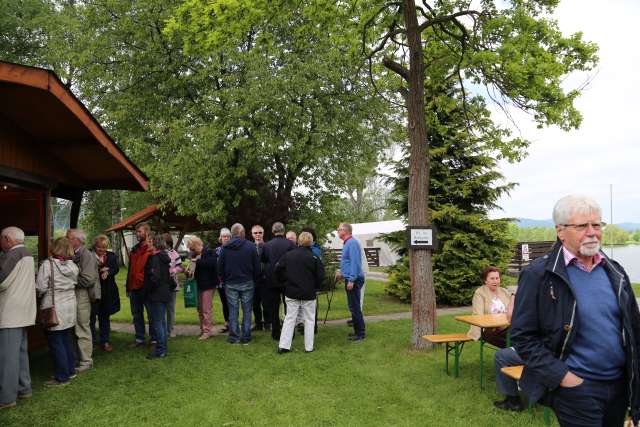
(446, 18)
(396, 68)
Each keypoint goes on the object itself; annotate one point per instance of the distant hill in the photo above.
(629, 226)
(530, 223)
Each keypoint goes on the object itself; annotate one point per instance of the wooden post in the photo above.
(124, 243)
(44, 227)
(75, 210)
(180, 237)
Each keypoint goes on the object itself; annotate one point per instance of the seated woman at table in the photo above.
(490, 298)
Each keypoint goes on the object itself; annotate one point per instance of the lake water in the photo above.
(629, 257)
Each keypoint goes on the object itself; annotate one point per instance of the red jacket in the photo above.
(138, 259)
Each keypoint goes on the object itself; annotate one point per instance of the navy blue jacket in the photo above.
(109, 297)
(206, 270)
(238, 262)
(544, 324)
(272, 251)
(157, 280)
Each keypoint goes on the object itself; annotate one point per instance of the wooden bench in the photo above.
(372, 255)
(453, 342)
(515, 372)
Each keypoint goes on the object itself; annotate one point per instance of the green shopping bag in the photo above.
(190, 293)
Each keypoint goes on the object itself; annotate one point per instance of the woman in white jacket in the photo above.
(60, 337)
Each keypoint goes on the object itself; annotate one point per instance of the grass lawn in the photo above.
(376, 302)
(379, 382)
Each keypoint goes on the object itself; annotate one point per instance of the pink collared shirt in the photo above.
(569, 257)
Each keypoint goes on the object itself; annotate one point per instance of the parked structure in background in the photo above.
(377, 251)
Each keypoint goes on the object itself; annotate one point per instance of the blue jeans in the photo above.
(138, 306)
(158, 321)
(239, 293)
(104, 324)
(63, 353)
(353, 299)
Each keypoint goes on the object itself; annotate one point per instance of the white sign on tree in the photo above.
(421, 237)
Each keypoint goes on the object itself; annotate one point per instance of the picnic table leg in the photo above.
(481, 363)
(446, 358)
(456, 366)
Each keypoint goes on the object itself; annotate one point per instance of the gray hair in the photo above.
(78, 234)
(347, 227)
(224, 231)
(277, 228)
(237, 230)
(574, 204)
(13, 233)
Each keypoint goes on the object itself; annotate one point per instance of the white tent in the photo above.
(368, 234)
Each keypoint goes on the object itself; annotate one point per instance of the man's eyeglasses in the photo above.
(256, 232)
(582, 227)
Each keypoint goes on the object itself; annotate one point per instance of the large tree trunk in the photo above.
(423, 297)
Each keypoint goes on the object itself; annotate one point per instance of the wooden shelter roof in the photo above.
(165, 218)
(46, 132)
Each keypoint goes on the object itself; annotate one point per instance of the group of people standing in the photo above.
(78, 283)
(75, 285)
(259, 277)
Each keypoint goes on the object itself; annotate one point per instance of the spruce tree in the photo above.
(464, 186)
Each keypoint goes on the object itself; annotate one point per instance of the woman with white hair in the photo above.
(109, 302)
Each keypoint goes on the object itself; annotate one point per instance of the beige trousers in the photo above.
(83, 332)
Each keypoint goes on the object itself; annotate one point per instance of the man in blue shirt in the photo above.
(351, 272)
(576, 325)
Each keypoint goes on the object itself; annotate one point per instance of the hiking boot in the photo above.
(106, 347)
(7, 405)
(510, 403)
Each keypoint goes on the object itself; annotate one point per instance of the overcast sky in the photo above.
(606, 149)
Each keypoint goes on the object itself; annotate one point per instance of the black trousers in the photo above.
(225, 304)
(592, 403)
(496, 336)
(261, 306)
(276, 297)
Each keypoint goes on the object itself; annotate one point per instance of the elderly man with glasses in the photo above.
(261, 305)
(576, 325)
(17, 312)
(353, 275)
